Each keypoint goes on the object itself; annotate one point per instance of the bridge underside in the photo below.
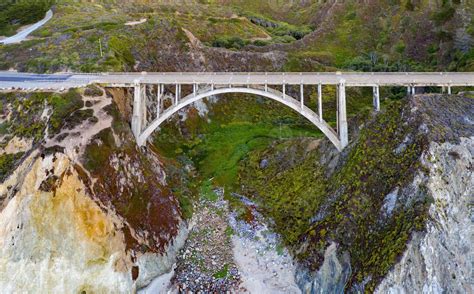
(145, 122)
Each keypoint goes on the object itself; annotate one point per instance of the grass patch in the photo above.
(224, 147)
(223, 273)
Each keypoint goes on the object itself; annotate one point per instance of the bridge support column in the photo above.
(320, 101)
(413, 90)
(177, 94)
(159, 99)
(139, 110)
(376, 99)
(342, 115)
(302, 96)
(449, 90)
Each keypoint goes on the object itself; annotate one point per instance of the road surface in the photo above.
(21, 36)
(14, 80)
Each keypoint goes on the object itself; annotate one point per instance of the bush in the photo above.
(7, 163)
(446, 13)
(229, 43)
(93, 90)
(63, 106)
(260, 43)
(121, 47)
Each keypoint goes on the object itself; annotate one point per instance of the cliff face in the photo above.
(349, 216)
(440, 260)
(54, 237)
(82, 208)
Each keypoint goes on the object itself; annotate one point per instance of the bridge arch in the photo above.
(268, 93)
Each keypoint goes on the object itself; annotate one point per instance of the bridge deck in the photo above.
(57, 81)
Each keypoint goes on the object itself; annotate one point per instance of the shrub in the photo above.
(7, 163)
(445, 14)
(121, 47)
(63, 106)
(93, 90)
(229, 43)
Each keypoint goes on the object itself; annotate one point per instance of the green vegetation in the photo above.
(121, 46)
(236, 130)
(63, 106)
(280, 28)
(14, 14)
(206, 191)
(93, 90)
(25, 120)
(7, 163)
(222, 273)
(229, 43)
(292, 192)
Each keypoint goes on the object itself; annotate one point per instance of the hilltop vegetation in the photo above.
(309, 36)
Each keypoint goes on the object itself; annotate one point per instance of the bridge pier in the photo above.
(342, 115)
(376, 98)
(320, 102)
(139, 109)
(302, 96)
(159, 98)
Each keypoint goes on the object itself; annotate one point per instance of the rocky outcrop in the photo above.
(84, 210)
(437, 257)
(440, 260)
(330, 278)
(53, 237)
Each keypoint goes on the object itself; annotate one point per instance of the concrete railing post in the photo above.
(342, 115)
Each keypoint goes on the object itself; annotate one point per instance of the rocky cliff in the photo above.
(82, 208)
(437, 256)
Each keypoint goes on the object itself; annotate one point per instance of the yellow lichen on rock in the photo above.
(60, 229)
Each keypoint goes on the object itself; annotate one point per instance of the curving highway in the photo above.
(21, 36)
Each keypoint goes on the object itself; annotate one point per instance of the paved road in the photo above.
(21, 36)
(10, 80)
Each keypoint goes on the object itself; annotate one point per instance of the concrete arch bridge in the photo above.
(143, 127)
(199, 85)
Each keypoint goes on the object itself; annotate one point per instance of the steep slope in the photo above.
(349, 217)
(82, 208)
